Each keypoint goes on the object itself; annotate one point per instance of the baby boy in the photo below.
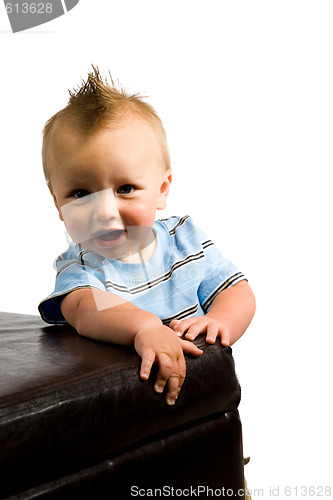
(126, 278)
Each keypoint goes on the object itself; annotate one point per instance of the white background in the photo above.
(244, 89)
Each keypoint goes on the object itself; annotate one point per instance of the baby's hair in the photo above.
(99, 104)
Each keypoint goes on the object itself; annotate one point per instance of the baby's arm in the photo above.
(121, 322)
(229, 316)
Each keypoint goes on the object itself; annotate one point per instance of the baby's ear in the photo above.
(56, 203)
(164, 191)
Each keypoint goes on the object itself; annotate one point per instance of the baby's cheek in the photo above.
(141, 215)
(77, 225)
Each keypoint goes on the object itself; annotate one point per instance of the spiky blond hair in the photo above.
(98, 104)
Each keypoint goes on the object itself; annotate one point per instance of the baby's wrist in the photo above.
(148, 328)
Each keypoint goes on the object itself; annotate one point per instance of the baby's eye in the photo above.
(126, 189)
(80, 193)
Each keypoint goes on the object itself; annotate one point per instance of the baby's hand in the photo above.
(201, 324)
(162, 346)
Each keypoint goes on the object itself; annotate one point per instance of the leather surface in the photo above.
(205, 455)
(67, 401)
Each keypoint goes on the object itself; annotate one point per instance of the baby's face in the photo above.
(107, 186)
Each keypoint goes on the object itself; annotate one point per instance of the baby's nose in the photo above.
(105, 205)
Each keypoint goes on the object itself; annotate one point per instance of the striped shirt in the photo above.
(180, 280)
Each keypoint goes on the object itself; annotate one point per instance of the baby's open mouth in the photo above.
(109, 239)
(109, 235)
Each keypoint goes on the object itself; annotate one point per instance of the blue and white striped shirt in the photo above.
(180, 280)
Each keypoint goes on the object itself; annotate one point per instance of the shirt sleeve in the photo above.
(72, 274)
(220, 273)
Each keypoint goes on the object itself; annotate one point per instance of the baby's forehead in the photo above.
(72, 131)
(128, 142)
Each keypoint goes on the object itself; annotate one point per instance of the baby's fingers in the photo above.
(225, 338)
(212, 333)
(174, 385)
(148, 358)
(174, 323)
(196, 328)
(190, 348)
(164, 372)
(183, 325)
(171, 375)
